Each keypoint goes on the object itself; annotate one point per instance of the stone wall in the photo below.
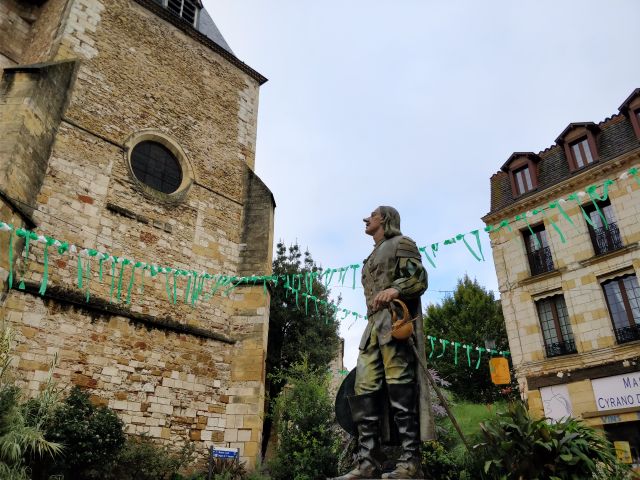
(31, 103)
(172, 369)
(15, 28)
(162, 384)
(29, 31)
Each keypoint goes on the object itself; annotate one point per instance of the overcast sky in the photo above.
(415, 104)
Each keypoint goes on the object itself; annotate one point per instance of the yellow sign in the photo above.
(499, 368)
(623, 452)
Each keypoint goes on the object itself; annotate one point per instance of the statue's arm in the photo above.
(410, 275)
(411, 278)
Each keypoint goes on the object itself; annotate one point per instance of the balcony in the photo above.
(628, 334)
(560, 348)
(606, 240)
(540, 261)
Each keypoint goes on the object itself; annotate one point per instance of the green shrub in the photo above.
(92, 436)
(518, 447)
(227, 469)
(306, 447)
(142, 459)
(256, 475)
(439, 462)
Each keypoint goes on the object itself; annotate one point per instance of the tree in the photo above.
(296, 327)
(470, 315)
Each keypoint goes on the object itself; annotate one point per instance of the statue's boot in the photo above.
(366, 415)
(404, 403)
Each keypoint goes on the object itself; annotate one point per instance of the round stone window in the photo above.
(154, 165)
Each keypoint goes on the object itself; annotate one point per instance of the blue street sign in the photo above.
(220, 452)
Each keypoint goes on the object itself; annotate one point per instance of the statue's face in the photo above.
(373, 223)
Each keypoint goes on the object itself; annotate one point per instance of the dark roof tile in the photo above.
(616, 137)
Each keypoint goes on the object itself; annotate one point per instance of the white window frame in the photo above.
(165, 4)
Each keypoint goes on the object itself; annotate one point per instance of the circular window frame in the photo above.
(188, 177)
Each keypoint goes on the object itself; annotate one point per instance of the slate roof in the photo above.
(616, 137)
(207, 26)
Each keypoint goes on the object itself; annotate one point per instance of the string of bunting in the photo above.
(202, 285)
(196, 281)
(298, 285)
(457, 347)
(468, 348)
(431, 251)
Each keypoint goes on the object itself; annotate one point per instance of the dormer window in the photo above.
(580, 146)
(631, 108)
(523, 172)
(187, 10)
(581, 152)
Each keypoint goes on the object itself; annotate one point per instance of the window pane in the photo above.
(596, 218)
(546, 321)
(527, 176)
(577, 155)
(616, 304)
(563, 318)
(520, 182)
(587, 151)
(633, 294)
(542, 238)
(607, 211)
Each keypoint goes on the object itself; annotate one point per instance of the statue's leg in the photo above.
(400, 372)
(366, 411)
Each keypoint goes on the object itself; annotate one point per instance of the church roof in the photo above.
(207, 26)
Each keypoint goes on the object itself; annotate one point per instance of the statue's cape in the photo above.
(427, 425)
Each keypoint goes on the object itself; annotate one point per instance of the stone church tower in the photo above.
(128, 130)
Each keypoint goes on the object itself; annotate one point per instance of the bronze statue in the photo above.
(387, 370)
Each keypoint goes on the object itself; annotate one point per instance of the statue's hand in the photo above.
(383, 298)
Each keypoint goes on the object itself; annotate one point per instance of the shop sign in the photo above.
(499, 368)
(619, 391)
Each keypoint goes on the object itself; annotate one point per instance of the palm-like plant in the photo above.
(516, 447)
(21, 422)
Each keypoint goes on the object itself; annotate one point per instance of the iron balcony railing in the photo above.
(606, 240)
(628, 334)
(540, 261)
(561, 348)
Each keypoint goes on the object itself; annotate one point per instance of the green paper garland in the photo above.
(196, 282)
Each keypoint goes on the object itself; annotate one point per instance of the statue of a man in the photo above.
(392, 271)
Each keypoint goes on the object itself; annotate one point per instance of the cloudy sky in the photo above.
(415, 104)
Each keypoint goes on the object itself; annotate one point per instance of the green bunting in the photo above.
(196, 283)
